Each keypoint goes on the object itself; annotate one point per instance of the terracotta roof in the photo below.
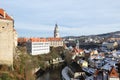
(78, 50)
(38, 39)
(113, 73)
(4, 15)
(23, 39)
(54, 39)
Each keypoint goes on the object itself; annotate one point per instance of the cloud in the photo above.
(75, 17)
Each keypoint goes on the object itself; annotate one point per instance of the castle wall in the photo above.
(6, 42)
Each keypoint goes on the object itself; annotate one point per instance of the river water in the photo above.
(54, 74)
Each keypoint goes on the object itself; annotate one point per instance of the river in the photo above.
(54, 74)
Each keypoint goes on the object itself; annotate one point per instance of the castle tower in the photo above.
(56, 31)
(6, 38)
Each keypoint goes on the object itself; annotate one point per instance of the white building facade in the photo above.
(37, 47)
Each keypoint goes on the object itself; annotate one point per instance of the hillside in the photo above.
(111, 34)
(105, 35)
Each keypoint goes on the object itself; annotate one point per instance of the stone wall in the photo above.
(6, 42)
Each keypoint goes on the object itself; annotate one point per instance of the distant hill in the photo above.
(111, 34)
(105, 35)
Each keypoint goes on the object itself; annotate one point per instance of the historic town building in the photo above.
(37, 46)
(55, 42)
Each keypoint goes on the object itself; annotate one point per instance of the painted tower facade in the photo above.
(56, 32)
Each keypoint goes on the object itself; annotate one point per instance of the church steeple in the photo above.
(56, 31)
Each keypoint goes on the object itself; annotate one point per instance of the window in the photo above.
(3, 27)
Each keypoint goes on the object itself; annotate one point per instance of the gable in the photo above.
(113, 73)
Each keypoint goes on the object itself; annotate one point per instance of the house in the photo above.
(94, 52)
(96, 63)
(114, 38)
(116, 54)
(108, 65)
(77, 51)
(110, 45)
(87, 53)
(113, 74)
(75, 71)
(37, 46)
(82, 63)
(100, 75)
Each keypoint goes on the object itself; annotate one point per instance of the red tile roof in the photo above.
(38, 39)
(4, 15)
(54, 39)
(23, 39)
(78, 50)
(113, 73)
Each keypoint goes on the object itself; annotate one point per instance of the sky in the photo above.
(37, 18)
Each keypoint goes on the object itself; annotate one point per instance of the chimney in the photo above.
(4, 14)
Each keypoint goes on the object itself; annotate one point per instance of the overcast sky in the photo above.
(37, 18)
